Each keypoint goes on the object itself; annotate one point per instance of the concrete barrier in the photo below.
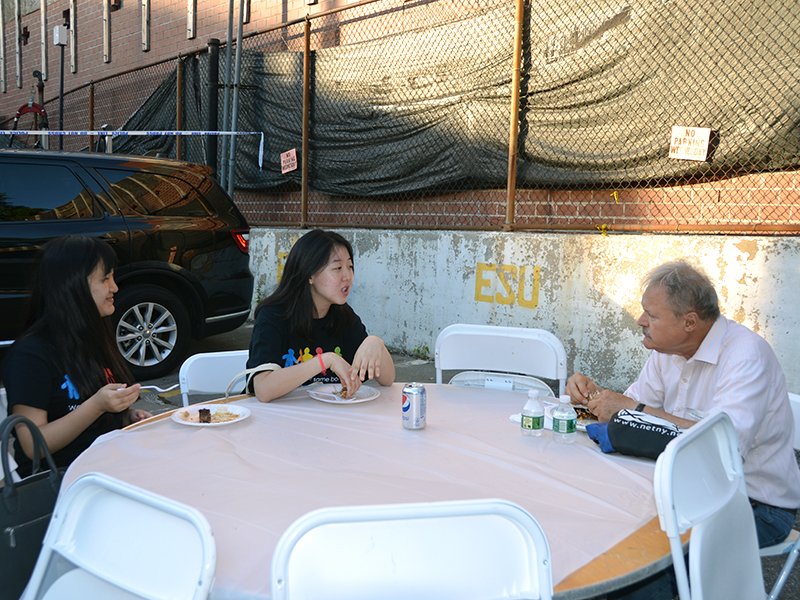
(584, 288)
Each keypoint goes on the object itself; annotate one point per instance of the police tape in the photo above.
(124, 133)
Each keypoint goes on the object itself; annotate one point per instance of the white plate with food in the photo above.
(332, 393)
(210, 415)
(585, 417)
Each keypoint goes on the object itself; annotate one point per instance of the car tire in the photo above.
(151, 330)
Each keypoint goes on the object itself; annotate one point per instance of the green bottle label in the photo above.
(564, 425)
(532, 422)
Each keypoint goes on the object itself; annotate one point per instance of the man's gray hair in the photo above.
(688, 289)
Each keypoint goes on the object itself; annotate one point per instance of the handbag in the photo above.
(25, 509)
(634, 433)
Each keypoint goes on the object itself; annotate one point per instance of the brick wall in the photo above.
(168, 21)
(769, 199)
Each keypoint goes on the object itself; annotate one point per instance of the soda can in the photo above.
(414, 406)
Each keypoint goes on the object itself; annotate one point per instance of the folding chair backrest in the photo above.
(533, 352)
(699, 473)
(3, 414)
(502, 381)
(110, 539)
(211, 373)
(477, 549)
(723, 554)
(794, 402)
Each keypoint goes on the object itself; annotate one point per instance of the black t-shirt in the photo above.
(272, 342)
(33, 376)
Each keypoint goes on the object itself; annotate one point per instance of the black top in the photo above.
(273, 343)
(33, 376)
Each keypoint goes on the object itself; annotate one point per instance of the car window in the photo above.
(33, 192)
(150, 193)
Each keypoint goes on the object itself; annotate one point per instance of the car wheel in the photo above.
(151, 329)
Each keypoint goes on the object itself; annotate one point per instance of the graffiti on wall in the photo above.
(507, 284)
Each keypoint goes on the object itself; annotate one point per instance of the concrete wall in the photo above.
(584, 288)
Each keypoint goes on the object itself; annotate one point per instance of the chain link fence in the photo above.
(409, 122)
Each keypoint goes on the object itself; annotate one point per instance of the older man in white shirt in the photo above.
(704, 363)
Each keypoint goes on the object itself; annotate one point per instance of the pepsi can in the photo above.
(414, 405)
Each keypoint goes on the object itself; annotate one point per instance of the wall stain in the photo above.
(749, 247)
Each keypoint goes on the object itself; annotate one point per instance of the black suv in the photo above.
(181, 244)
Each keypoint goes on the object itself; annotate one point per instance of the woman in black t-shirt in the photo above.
(64, 373)
(306, 326)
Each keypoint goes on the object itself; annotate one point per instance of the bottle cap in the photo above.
(565, 400)
(533, 393)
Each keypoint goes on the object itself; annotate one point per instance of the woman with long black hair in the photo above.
(306, 326)
(64, 372)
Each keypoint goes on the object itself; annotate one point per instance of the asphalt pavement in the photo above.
(408, 368)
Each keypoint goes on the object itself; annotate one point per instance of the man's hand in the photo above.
(580, 389)
(604, 403)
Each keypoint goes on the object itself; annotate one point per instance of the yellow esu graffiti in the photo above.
(509, 277)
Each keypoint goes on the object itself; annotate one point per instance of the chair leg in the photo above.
(784, 574)
(681, 575)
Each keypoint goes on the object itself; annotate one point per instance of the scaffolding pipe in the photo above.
(223, 173)
(306, 113)
(235, 114)
(513, 132)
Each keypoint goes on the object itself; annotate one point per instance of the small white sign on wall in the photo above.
(689, 143)
(289, 161)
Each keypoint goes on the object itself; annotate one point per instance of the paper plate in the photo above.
(190, 415)
(330, 393)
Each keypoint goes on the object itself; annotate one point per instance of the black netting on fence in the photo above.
(410, 114)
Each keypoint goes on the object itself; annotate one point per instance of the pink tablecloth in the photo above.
(253, 478)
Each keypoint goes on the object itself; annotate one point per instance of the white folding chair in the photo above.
(495, 354)
(211, 372)
(477, 549)
(12, 464)
(111, 540)
(794, 402)
(791, 545)
(699, 485)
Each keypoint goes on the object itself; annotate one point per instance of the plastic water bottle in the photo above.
(532, 422)
(564, 421)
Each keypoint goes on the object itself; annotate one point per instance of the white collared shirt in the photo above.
(734, 370)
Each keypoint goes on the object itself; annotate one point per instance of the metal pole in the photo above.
(513, 133)
(61, 98)
(213, 102)
(179, 109)
(235, 115)
(91, 116)
(306, 114)
(223, 175)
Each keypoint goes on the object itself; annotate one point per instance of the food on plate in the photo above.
(342, 392)
(206, 415)
(584, 414)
